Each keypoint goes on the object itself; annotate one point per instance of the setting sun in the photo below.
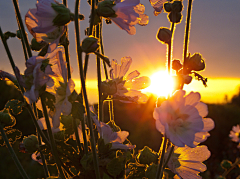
(161, 84)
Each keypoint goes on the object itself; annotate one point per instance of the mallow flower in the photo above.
(47, 21)
(181, 118)
(107, 134)
(62, 87)
(157, 5)
(186, 162)
(124, 13)
(235, 134)
(130, 85)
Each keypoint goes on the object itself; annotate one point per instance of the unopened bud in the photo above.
(164, 35)
(64, 15)
(89, 45)
(167, 7)
(196, 62)
(176, 65)
(31, 143)
(36, 45)
(177, 6)
(175, 17)
(6, 119)
(226, 164)
(105, 9)
(187, 79)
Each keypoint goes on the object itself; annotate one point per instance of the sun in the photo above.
(161, 84)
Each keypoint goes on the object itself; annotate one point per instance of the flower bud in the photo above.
(187, 79)
(177, 6)
(176, 65)
(31, 143)
(226, 164)
(36, 45)
(19, 35)
(105, 9)
(167, 7)
(64, 15)
(6, 119)
(89, 44)
(196, 62)
(164, 35)
(147, 156)
(175, 17)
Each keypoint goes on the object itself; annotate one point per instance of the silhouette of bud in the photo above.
(31, 143)
(177, 6)
(164, 35)
(6, 119)
(196, 62)
(176, 65)
(167, 7)
(105, 9)
(175, 17)
(89, 44)
(64, 15)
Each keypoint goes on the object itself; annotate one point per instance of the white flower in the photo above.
(131, 84)
(129, 13)
(186, 162)
(235, 134)
(181, 118)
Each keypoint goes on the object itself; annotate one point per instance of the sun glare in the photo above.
(161, 84)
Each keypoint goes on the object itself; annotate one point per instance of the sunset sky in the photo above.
(215, 29)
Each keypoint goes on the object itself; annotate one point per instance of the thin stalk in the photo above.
(170, 49)
(233, 166)
(21, 88)
(13, 154)
(84, 135)
(111, 112)
(50, 135)
(187, 31)
(84, 93)
(159, 171)
(102, 51)
(45, 168)
(75, 127)
(85, 65)
(19, 19)
(92, 18)
(23, 45)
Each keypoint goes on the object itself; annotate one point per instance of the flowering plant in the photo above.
(81, 142)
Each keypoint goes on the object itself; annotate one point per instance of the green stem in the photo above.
(53, 145)
(92, 18)
(159, 171)
(84, 135)
(102, 51)
(13, 154)
(233, 166)
(111, 111)
(85, 65)
(170, 49)
(75, 127)
(169, 156)
(84, 93)
(187, 31)
(19, 19)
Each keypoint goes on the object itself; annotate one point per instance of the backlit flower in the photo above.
(157, 5)
(131, 84)
(40, 22)
(181, 119)
(235, 134)
(107, 134)
(186, 162)
(129, 13)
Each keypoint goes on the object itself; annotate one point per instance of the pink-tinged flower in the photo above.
(181, 119)
(107, 134)
(186, 162)
(62, 87)
(131, 84)
(40, 23)
(37, 75)
(157, 5)
(129, 13)
(235, 134)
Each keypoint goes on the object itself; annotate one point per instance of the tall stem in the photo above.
(84, 93)
(160, 170)
(187, 31)
(13, 154)
(170, 49)
(19, 18)
(50, 135)
(92, 18)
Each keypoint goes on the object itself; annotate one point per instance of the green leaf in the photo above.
(78, 110)
(87, 161)
(12, 134)
(15, 106)
(115, 166)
